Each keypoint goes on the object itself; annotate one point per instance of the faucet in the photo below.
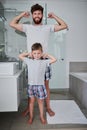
(3, 18)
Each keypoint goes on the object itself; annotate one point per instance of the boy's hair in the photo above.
(36, 46)
(37, 7)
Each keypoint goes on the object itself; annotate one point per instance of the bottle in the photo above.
(20, 62)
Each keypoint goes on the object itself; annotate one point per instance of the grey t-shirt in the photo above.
(36, 70)
(38, 34)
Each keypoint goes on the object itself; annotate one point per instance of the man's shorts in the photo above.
(48, 72)
(38, 91)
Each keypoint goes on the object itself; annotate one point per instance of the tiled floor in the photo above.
(15, 121)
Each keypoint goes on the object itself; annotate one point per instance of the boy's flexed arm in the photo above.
(23, 55)
(52, 58)
(15, 21)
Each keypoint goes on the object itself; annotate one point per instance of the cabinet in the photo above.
(11, 91)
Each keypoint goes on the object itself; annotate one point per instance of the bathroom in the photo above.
(69, 46)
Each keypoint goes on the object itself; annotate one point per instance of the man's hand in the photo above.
(25, 14)
(51, 15)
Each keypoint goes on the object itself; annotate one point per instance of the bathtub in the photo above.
(78, 87)
(80, 75)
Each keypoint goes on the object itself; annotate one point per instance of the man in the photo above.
(37, 32)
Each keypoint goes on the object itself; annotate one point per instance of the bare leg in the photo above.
(31, 108)
(40, 103)
(49, 110)
(26, 111)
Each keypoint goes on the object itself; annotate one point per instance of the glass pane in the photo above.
(57, 47)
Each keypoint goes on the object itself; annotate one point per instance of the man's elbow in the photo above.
(11, 24)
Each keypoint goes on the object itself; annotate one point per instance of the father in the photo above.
(37, 32)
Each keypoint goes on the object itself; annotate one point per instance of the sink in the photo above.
(9, 68)
(8, 59)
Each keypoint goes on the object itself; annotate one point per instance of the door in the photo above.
(57, 47)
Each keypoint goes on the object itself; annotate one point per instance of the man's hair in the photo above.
(37, 7)
(36, 46)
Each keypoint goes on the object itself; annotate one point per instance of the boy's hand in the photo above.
(30, 55)
(45, 55)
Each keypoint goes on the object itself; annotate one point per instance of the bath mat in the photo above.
(66, 112)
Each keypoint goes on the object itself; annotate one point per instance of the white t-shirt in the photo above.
(38, 34)
(36, 70)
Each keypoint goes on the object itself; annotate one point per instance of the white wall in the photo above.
(74, 13)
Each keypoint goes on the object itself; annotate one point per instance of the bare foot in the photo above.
(30, 121)
(50, 112)
(25, 112)
(43, 121)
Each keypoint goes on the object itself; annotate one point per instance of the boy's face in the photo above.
(37, 54)
(37, 16)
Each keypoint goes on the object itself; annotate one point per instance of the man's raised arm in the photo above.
(15, 21)
(61, 24)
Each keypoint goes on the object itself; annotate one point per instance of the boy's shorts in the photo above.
(38, 91)
(48, 73)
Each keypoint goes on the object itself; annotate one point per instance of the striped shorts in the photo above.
(38, 91)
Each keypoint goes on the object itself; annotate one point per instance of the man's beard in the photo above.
(37, 21)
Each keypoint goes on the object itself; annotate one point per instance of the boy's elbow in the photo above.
(55, 60)
(66, 26)
(19, 57)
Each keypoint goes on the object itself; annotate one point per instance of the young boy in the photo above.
(36, 71)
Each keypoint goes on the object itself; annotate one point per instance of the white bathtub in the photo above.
(80, 75)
